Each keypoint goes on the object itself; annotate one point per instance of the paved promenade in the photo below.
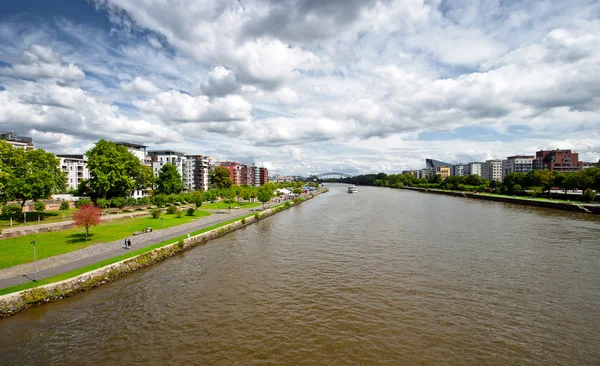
(56, 265)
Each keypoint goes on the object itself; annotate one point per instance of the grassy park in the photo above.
(19, 250)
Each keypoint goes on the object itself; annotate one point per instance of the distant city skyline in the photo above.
(355, 86)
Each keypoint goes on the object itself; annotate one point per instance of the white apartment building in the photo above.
(492, 170)
(256, 175)
(517, 164)
(460, 170)
(162, 157)
(138, 151)
(22, 142)
(196, 170)
(75, 167)
(474, 169)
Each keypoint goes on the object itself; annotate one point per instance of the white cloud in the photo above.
(42, 62)
(139, 86)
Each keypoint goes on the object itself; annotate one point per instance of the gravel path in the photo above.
(57, 264)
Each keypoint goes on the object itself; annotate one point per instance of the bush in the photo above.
(102, 203)
(144, 200)
(180, 244)
(64, 206)
(119, 202)
(179, 214)
(12, 210)
(589, 195)
(288, 205)
(243, 221)
(172, 209)
(191, 211)
(159, 200)
(256, 216)
(39, 206)
(130, 201)
(156, 213)
(83, 202)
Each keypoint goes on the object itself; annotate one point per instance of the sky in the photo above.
(306, 86)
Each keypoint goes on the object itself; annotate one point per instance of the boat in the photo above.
(352, 189)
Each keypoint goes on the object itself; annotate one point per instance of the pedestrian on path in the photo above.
(129, 243)
(125, 243)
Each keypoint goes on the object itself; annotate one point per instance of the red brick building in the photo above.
(264, 176)
(559, 160)
(235, 171)
(245, 174)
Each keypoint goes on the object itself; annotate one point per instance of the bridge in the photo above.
(331, 175)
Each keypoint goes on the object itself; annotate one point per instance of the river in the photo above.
(379, 277)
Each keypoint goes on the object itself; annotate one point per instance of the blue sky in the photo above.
(303, 86)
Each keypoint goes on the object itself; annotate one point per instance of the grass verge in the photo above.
(106, 262)
(223, 206)
(18, 250)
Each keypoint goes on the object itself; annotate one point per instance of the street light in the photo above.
(163, 229)
(34, 265)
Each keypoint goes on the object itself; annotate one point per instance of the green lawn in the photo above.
(19, 250)
(106, 262)
(223, 206)
(544, 199)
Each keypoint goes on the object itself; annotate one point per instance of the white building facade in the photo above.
(517, 164)
(492, 170)
(474, 169)
(75, 168)
(196, 170)
(460, 170)
(139, 151)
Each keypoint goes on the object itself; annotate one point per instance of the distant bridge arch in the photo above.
(332, 175)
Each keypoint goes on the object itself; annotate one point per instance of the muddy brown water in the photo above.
(379, 277)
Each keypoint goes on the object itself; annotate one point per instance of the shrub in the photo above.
(179, 214)
(156, 213)
(159, 200)
(130, 201)
(517, 189)
(288, 205)
(119, 202)
(180, 244)
(191, 211)
(256, 216)
(39, 206)
(589, 195)
(171, 210)
(83, 202)
(144, 200)
(102, 203)
(243, 221)
(64, 206)
(12, 210)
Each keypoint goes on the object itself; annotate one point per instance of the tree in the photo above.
(246, 194)
(115, 171)
(264, 196)
(221, 177)
(197, 199)
(517, 189)
(28, 174)
(87, 216)
(169, 180)
(39, 206)
(64, 206)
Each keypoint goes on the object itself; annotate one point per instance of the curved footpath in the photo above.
(62, 263)
(16, 301)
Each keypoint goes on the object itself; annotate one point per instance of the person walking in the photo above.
(129, 243)
(125, 243)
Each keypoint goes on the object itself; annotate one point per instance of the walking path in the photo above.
(56, 265)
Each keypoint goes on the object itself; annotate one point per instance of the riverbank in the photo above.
(83, 279)
(565, 206)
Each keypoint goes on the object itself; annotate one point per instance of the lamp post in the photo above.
(34, 264)
(163, 229)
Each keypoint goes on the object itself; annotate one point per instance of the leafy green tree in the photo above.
(246, 194)
(39, 206)
(221, 177)
(237, 190)
(159, 200)
(64, 206)
(517, 189)
(169, 180)
(265, 195)
(589, 195)
(28, 174)
(197, 199)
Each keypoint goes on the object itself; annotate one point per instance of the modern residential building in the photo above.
(586, 165)
(138, 150)
(263, 176)
(492, 170)
(22, 142)
(433, 164)
(474, 168)
(196, 172)
(75, 168)
(559, 160)
(443, 171)
(248, 174)
(162, 157)
(235, 171)
(461, 170)
(517, 164)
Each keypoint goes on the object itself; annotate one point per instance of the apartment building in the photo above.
(75, 168)
(492, 170)
(162, 157)
(138, 151)
(196, 172)
(263, 176)
(235, 171)
(559, 160)
(248, 175)
(22, 142)
(460, 170)
(443, 171)
(517, 164)
(474, 169)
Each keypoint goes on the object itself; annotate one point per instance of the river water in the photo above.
(379, 277)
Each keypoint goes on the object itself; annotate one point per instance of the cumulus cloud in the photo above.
(139, 86)
(221, 82)
(39, 62)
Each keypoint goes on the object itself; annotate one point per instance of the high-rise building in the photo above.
(559, 160)
(433, 164)
(461, 170)
(162, 157)
(517, 164)
(138, 151)
(443, 171)
(22, 142)
(196, 172)
(264, 176)
(474, 169)
(492, 170)
(235, 171)
(75, 168)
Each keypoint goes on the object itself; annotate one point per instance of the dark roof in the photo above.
(430, 163)
(130, 144)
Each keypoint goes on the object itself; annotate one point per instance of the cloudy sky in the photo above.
(306, 86)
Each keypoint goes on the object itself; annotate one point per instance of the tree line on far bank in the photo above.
(534, 183)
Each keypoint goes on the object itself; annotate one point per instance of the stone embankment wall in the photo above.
(15, 302)
(590, 209)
